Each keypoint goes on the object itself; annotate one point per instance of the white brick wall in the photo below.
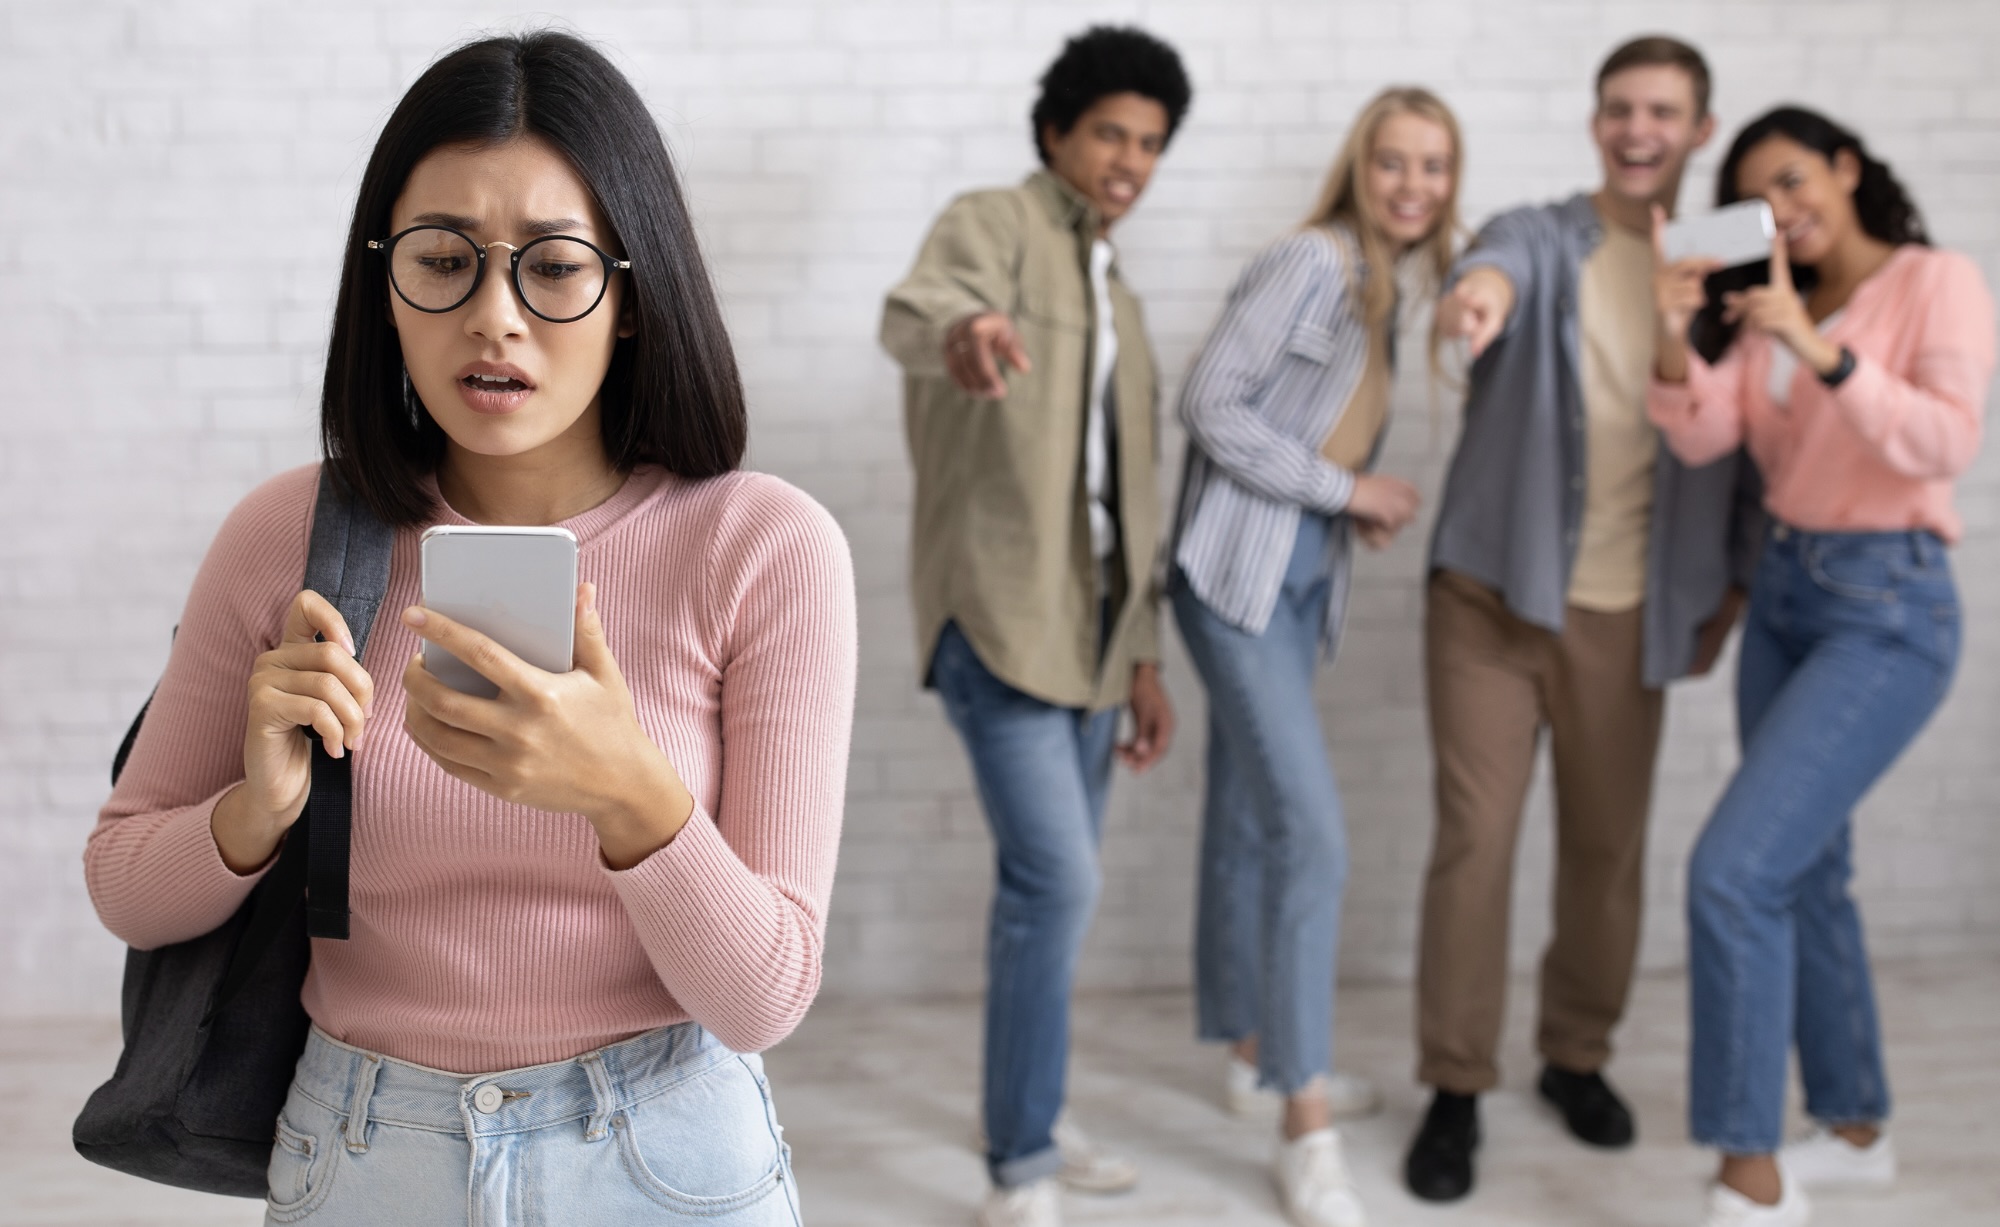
(148, 385)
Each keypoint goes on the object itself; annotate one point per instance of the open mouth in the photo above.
(494, 387)
(1631, 160)
(1405, 211)
(1120, 191)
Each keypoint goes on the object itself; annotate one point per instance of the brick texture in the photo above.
(152, 382)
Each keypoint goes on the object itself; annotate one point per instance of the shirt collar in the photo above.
(1069, 207)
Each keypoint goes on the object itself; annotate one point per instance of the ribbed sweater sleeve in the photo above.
(732, 912)
(151, 865)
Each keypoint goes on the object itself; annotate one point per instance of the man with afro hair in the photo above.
(1029, 400)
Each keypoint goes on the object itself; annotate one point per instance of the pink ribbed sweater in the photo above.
(487, 936)
(1878, 453)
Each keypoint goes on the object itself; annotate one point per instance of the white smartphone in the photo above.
(515, 585)
(1735, 234)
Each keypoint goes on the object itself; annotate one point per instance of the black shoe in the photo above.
(1439, 1166)
(1589, 1106)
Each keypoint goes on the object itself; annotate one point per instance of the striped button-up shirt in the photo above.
(1267, 388)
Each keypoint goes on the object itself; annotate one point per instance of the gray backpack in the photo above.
(213, 1026)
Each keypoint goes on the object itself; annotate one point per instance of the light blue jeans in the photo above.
(1043, 773)
(1851, 642)
(1273, 838)
(667, 1127)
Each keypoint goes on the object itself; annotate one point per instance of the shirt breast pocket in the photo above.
(1054, 312)
(1310, 341)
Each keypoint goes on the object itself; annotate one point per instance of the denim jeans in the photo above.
(1851, 642)
(1043, 772)
(667, 1127)
(1273, 840)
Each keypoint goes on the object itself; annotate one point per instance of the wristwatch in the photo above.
(1841, 370)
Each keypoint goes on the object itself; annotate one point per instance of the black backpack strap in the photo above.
(348, 564)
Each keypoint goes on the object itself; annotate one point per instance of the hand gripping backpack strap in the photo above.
(348, 564)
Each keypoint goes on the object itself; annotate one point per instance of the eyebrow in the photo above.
(457, 221)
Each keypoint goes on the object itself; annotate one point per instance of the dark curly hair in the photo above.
(1883, 208)
(1102, 61)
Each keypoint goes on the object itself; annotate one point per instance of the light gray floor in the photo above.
(878, 1104)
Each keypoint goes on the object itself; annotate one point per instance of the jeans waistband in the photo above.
(1781, 533)
(367, 1086)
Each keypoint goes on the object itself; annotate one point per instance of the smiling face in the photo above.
(1812, 199)
(1406, 181)
(499, 380)
(1110, 153)
(1647, 124)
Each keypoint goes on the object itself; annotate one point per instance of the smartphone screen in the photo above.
(1736, 234)
(514, 585)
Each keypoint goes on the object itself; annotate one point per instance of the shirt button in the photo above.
(488, 1098)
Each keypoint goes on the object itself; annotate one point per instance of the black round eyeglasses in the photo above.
(436, 269)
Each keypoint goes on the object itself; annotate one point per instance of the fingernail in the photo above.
(357, 743)
(413, 616)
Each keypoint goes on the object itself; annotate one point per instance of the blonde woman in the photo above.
(1284, 410)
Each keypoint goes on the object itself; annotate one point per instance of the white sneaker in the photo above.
(1085, 1168)
(1824, 1160)
(1347, 1095)
(1038, 1204)
(1313, 1184)
(1728, 1208)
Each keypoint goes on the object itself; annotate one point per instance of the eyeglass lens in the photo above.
(435, 269)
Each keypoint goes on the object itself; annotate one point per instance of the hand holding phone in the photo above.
(566, 742)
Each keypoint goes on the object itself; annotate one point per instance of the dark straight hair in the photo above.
(1881, 206)
(672, 395)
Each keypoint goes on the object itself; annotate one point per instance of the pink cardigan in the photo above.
(488, 936)
(1878, 453)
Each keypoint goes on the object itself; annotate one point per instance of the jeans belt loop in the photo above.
(597, 1126)
(356, 1129)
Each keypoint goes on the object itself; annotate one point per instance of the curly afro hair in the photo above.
(1102, 61)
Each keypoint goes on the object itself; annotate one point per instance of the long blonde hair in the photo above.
(1341, 201)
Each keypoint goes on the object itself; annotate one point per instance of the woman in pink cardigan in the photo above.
(1857, 376)
(578, 909)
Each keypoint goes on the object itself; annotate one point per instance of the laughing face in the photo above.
(1646, 125)
(1812, 198)
(1110, 153)
(1407, 181)
(499, 380)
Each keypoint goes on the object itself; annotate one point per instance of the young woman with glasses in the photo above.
(1856, 370)
(580, 907)
(1285, 408)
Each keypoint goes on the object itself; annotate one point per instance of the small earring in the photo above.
(412, 407)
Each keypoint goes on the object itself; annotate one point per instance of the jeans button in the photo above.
(488, 1098)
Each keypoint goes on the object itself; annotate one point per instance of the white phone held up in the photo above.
(1732, 235)
(517, 586)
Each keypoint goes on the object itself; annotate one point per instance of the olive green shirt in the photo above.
(1000, 537)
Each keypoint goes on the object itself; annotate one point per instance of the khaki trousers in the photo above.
(1494, 682)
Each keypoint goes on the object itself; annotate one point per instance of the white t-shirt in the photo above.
(1097, 424)
(1785, 364)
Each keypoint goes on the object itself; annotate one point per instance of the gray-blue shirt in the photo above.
(1512, 511)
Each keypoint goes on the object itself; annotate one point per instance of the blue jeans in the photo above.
(1273, 840)
(667, 1127)
(1043, 773)
(1851, 642)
